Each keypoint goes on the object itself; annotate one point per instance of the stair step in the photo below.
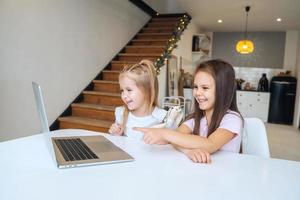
(110, 75)
(140, 42)
(104, 98)
(144, 49)
(163, 24)
(137, 57)
(155, 19)
(94, 106)
(106, 86)
(85, 123)
(119, 65)
(153, 36)
(157, 30)
(96, 111)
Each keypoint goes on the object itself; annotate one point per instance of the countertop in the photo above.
(252, 91)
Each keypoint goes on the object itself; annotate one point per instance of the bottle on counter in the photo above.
(195, 46)
(263, 84)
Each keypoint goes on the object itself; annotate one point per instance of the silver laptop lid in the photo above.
(37, 90)
(113, 154)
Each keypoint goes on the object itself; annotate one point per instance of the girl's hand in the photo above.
(116, 129)
(152, 135)
(198, 155)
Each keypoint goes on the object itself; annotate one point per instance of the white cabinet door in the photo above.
(262, 111)
(242, 103)
(253, 104)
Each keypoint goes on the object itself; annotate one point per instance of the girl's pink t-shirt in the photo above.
(231, 121)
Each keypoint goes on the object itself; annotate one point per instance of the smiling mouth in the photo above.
(128, 102)
(201, 100)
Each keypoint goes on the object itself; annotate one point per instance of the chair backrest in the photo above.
(171, 101)
(176, 110)
(254, 140)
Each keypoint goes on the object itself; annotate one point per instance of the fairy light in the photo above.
(171, 44)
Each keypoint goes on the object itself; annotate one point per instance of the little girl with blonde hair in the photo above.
(139, 91)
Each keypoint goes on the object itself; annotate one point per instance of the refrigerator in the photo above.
(282, 99)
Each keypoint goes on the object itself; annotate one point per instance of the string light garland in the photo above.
(172, 42)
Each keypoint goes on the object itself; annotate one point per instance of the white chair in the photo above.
(168, 102)
(254, 139)
(176, 110)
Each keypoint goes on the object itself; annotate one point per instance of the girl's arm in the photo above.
(196, 155)
(213, 143)
(179, 137)
(116, 129)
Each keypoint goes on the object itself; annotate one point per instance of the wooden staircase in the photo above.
(94, 109)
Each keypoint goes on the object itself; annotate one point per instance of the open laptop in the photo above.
(77, 150)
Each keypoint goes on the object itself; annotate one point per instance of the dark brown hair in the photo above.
(224, 76)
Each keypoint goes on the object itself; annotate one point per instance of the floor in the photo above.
(284, 141)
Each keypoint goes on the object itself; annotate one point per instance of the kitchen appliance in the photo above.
(263, 84)
(282, 100)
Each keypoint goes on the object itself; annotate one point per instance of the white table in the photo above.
(158, 172)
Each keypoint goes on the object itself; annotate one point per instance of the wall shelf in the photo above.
(201, 48)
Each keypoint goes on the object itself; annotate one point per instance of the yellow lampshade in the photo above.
(244, 46)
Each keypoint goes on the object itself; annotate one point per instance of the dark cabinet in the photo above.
(282, 100)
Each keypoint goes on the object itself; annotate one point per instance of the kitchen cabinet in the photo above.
(254, 104)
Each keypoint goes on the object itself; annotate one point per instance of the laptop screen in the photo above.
(37, 90)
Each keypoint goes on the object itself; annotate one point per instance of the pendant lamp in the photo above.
(245, 46)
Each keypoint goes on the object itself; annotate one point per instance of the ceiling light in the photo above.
(278, 19)
(245, 46)
(220, 21)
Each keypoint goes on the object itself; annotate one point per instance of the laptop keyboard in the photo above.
(74, 149)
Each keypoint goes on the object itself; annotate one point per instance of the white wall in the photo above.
(297, 105)
(157, 5)
(184, 47)
(162, 83)
(290, 52)
(173, 7)
(61, 44)
(292, 63)
(164, 6)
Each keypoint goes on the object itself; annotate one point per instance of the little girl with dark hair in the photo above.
(216, 123)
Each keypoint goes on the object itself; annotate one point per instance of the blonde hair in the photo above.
(145, 78)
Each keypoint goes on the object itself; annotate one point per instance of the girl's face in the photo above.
(132, 96)
(204, 91)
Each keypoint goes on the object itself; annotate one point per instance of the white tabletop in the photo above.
(158, 172)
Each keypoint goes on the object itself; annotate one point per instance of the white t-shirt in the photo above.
(156, 117)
